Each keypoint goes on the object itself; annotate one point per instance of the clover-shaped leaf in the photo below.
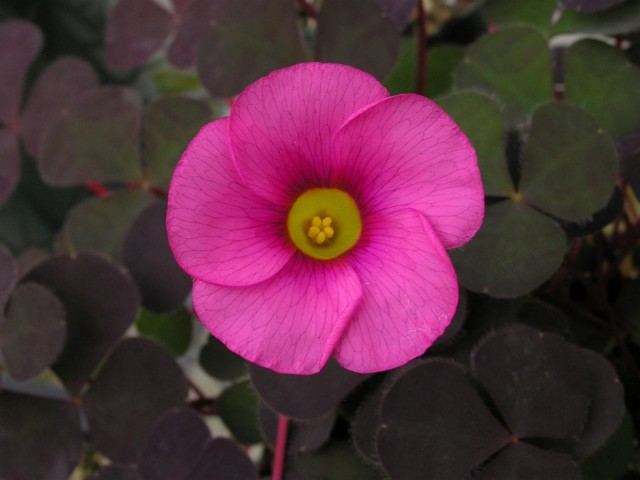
(589, 5)
(233, 53)
(601, 80)
(32, 331)
(220, 362)
(619, 19)
(513, 64)
(506, 12)
(100, 301)
(8, 275)
(570, 165)
(370, 44)
(139, 382)
(40, 438)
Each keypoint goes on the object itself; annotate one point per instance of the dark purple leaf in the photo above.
(434, 421)
(181, 6)
(20, 42)
(100, 224)
(10, 165)
(101, 302)
(607, 404)
(538, 382)
(95, 139)
(195, 21)
(64, 79)
(589, 5)
(139, 383)
(522, 461)
(398, 11)
(117, 472)
(136, 29)
(32, 332)
(174, 446)
(29, 259)
(303, 435)
(248, 40)
(336, 461)
(40, 438)
(223, 460)
(629, 153)
(146, 253)
(371, 43)
(8, 275)
(170, 125)
(305, 396)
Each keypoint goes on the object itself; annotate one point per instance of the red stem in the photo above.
(422, 49)
(97, 188)
(308, 8)
(281, 447)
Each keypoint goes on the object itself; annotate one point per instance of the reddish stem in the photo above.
(422, 49)
(308, 8)
(281, 446)
(97, 188)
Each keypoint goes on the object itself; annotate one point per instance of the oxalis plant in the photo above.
(331, 239)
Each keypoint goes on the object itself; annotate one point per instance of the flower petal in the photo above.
(406, 151)
(409, 294)
(281, 126)
(289, 323)
(218, 229)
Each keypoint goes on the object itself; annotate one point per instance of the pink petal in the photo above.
(289, 323)
(406, 151)
(410, 293)
(281, 126)
(220, 231)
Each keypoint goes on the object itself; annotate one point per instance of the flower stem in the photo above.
(422, 49)
(308, 8)
(98, 189)
(281, 446)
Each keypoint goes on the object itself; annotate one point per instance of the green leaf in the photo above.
(515, 251)
(508, 12)
(172, 330)
(570, 165)
(441, 62)
(220, 362)
(623, 18)
(170, 125)
(601, 80)
(100, 224)
(238, 409)
(482, 120)
(172, 81)
(513, 64)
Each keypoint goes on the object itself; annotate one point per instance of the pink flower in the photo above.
(315, 218)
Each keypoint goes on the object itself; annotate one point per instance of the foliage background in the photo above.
(106, 374)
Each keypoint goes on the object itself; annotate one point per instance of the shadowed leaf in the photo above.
(589, 5)
(139, 382)
(370, 44)
(100, 301)
(171, 330)
(117, 472)
(146, 253)
(40, 438)
(303, 435)
(507, 12)
(238, 409)
(8, 275)
(623, 18)
(10, 165)
(95, 139)
(223, 460)
(32, 332)
(398, 11)
(220, 362)
(197, 16)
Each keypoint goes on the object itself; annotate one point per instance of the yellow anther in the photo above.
(328, 232)
(320, 238)
(326, 221)
(313, 231)
(316, 222)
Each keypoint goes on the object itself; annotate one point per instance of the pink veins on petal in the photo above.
(314, 221)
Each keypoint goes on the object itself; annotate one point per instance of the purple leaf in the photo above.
(10, 164)
(40, 438)
(101, 302)
(32, 332)
(96, 139)
(8, 275)
(223, 460)
(20, 42)
(64, 79)
(398, 11)
(139, 382)
(371, 43)
(136, 29)
(248, 40)
(195, 18)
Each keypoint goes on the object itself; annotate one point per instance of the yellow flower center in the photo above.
(324, 223)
